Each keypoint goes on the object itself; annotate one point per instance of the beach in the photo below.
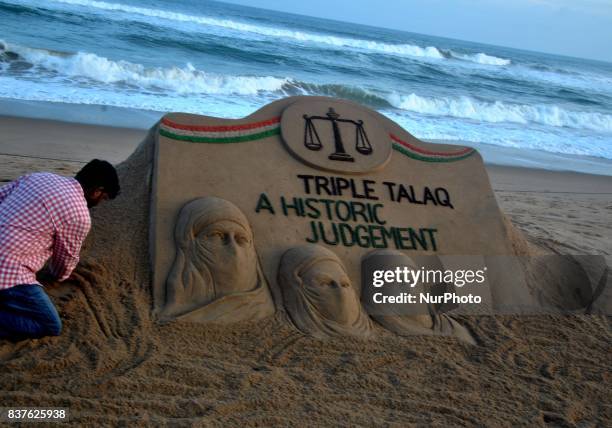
(115, 365)
(560, 209)
(196, 301)
(564, 210)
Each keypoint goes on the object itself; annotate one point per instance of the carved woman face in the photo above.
(318, 294)
(226, 249)
(329, 289)
(216, 276)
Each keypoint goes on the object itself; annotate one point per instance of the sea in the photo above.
(125, 63)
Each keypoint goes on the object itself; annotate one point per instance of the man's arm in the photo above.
(66, 249)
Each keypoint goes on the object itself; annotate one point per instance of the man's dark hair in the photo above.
(99, 173)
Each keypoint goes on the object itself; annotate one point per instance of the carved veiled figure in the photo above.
(422, 319)
(318, 294)
(429, 324)
(216, 275)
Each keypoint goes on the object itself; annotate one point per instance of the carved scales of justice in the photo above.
(313, 142)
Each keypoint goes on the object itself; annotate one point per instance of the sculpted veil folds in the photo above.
(423, 318)
(334, 174)
(216, 275)
(318, 294)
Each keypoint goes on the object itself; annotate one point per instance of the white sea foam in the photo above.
(189, 80)
(580, 79)
(482, 58)
(300, 36)
(566, 141)
(50, 91)
(185, 80)
(485, 111)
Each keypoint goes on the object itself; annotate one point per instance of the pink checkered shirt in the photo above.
(43, 217)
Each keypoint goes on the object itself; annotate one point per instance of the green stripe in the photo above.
(430, 159)
(220, 140)
(276, 131)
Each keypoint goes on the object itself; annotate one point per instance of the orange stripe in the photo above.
(429, 152)
(221, 128)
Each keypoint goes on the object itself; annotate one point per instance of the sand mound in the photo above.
(113, 364)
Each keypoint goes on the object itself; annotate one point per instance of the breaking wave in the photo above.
(189, 80)
(481, 58)
(494, 112)
(300, 36)
(185, 80)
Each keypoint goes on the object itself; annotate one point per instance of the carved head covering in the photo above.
(215, 258)
(318, 294)
(417, 318)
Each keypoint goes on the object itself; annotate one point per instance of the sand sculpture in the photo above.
(327, 172)
(570, 283)
(420, 318)
(318, 294)
(216, 275)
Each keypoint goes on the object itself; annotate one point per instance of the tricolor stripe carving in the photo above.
(220, 134)
(429, 155)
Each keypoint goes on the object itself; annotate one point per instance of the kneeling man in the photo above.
(44, 217)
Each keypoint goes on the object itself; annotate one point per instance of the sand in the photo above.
(114, 365)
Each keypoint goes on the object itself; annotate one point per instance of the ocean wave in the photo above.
(185, 80)
(481, 58)
(565, 141)
(171, 80)
(494, 112)
(352, 93)
(98, 70)
(410, 50)
(589, 81)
